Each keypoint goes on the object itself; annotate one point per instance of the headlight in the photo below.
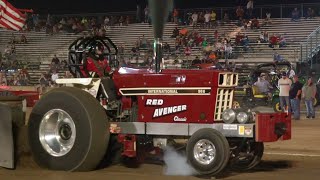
(228, 116)
(242, 117)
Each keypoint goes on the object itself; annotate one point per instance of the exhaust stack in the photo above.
(159, 10)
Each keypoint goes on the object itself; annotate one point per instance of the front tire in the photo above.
(68, 130)
(208, 151)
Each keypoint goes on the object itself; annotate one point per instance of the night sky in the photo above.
(103, 6)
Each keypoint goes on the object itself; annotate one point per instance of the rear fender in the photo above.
(91, 85)
(6, 137)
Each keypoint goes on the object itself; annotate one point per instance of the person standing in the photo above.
(309, 94)
(295, 97)
(284, 85)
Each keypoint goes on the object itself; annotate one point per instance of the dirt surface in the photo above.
(298, 158)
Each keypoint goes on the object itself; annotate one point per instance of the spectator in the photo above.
(187, 51)
(54, 76)
(121, 21)
(166, 47)
(175, 16)
(264, 86)
(201, 19)
(295, 15)
(295, 97)
(228, 51)
(204, 43)
(138, 14)
(255, 24)
(16, 81)
(196, 61)
(64, 64)
(67, 74)
(194, 19)
(277, 57)
(55, 60)
(121, 49)
(274, 41)
(175, 32)
(267, 20)
(23, 39)
(292, 74)
(261, 38)
(282, 41)
(146, 14)
(250, 8)
(207, 18)
(310, 13)
(284, 85)
(216, 35)
(309, 91)
(240, 13)
(217, 64)
(144, 42)
(3, 79)
(213, 19)
(226, 17)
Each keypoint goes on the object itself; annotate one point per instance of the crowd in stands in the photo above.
(48, 79)
(14, 78)
(218, 46)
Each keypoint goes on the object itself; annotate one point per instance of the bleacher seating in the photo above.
(42, 47)
(294, 33)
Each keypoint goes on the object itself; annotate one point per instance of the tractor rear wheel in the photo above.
(68, 130)
(208, 151)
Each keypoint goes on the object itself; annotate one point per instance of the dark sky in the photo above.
(102, 6)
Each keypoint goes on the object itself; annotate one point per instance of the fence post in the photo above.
(261, 13)
(281, 11)
(302, 10)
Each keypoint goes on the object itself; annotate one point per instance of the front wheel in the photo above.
(208, 152)
(68, 130)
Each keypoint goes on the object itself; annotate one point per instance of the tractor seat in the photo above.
(256, 93)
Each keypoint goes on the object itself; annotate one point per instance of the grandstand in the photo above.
(41, 47)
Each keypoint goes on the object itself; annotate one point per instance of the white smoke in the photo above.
(176, 164)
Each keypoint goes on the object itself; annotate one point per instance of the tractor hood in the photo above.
(143, 78)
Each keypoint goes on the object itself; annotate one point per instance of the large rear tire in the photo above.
(208, 152)
(68, 130)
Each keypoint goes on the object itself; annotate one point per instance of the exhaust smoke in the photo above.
(176, 164)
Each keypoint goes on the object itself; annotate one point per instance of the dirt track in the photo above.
(295, 159)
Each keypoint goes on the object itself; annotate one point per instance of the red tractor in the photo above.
(73, 128)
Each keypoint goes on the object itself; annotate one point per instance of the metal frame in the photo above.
(181, 129)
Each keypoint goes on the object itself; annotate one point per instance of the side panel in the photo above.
(176, 109)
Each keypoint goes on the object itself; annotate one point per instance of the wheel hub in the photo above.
(204, 151)
(57, 132)
(65, 132)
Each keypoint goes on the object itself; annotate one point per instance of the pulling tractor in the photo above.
(72, 128)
